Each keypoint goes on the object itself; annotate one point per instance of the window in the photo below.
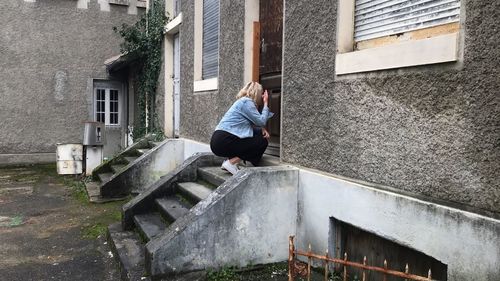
(383, 34)
(206, 45)
(210, 65)
(177, 7)
(107, 106)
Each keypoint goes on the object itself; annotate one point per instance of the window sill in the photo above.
(206, 85)
(420, 52)
(141, 4)
(173, 26)
(119, 2)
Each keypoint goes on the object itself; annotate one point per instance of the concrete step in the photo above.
(269, 160)
(171, 207)
(194, 191)
(150, 224)
(104, 177)
(117, 168)
(213, 175)
(130, 159)
(142, 151)
(94, 193)
(129, 252)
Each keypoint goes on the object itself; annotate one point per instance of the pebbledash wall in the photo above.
(50, 52)
(431, 131)
(201, 111)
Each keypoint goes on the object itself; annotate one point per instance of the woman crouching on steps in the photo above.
(241, 134)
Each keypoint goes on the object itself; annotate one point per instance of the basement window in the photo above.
(384, 34)
(358, 243)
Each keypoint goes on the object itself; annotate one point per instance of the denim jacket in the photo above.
(239, 119)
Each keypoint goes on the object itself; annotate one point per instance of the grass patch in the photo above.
(94, 231)
(225, 274)
(103, 215)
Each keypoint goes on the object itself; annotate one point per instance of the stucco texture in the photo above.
(431, 131)
(50, 51)
(201, 111)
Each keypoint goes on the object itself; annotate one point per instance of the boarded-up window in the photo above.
(379, 18)
(210, 67)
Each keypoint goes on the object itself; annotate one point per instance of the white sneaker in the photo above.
(232, 168)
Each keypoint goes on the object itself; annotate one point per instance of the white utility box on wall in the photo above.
(69, 158)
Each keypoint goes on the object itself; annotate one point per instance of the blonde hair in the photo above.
(252, 90)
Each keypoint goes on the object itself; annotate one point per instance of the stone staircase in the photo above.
(108, 171)
(198, 216)
(164, 208)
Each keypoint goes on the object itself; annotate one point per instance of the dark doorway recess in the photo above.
(358, 243)
(270, 64)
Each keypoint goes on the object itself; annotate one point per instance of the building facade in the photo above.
(54, 76)
(398, 101)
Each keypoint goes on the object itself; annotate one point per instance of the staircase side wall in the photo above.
(187, 171)
(146, 170)
(247, 220)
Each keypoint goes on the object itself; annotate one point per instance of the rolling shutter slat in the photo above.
(378, 18)
(210, 66)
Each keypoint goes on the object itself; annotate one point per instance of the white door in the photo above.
(177, 88)
(109, 109)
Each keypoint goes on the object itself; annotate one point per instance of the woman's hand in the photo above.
(265, 97)
(265, 133)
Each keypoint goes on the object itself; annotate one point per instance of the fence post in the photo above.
(385, 267)
(291, 258)
(345, 267)
(364, 273)
(309, 264)
(407, 271)
(326, 265)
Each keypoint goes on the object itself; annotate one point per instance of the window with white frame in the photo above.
(177, 7)
(107, 106)
(206, 45)
(210, 57)
(384, 34)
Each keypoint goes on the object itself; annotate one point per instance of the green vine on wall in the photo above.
(142, 43)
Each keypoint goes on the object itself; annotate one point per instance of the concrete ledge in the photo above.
(173, 26)
(31, 158)
(245, 221)
(420, 52)
(206, 85)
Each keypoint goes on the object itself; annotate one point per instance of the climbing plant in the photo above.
(142, 43)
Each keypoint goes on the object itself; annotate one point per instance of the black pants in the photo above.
(228, 145)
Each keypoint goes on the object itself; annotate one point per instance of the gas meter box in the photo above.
(94, 134)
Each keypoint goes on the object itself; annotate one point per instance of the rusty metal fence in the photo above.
(301, 269)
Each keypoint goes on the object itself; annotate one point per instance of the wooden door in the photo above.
(270, 64)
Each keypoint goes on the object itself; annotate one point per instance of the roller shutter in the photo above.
(379, 18)
(210, 39)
